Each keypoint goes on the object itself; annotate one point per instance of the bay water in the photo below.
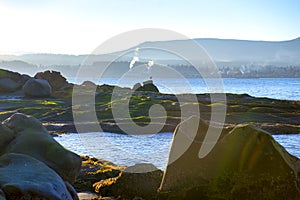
(127, 150)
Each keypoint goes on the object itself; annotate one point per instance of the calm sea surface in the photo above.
(277, 88)
(129, 150)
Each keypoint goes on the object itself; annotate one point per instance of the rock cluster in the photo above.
(43, 84)
(244, 163)
(32, 164)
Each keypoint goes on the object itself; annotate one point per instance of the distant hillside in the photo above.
(234, 58)
(243, 51)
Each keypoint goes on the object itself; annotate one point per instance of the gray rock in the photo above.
(6, 136)
(31, 138)
(23, 177)
(37, 88)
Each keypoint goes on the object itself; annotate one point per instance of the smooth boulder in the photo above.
(245, 163)
(23, 177)
(31, 138)
(37, 88)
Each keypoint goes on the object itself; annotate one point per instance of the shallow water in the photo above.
(129, 150)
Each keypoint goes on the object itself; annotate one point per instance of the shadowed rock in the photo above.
(246, 163)
(31, 138)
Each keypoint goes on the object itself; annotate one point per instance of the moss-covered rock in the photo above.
(140, 180)
(94, 170)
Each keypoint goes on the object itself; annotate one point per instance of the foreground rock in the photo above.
(31, 138)
(29, 153)
(23, 177)
(37, 88)
(246, 163)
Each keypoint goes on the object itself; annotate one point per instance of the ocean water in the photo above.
(129, 150)
(277, 88)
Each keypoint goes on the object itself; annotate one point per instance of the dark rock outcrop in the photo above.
(11, 81)
(16, 77)
(8, 85)
(37, 88)
(147, 86)
(246, 163)
(55, 79)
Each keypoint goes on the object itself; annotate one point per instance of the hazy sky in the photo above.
(78, 27)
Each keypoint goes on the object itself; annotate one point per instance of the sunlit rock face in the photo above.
(245, 163)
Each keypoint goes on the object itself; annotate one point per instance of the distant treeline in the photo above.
(117, 69)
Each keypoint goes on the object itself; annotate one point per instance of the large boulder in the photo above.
(37, 88)
(140, 180)
(246, 163)
(55, 79)
(8, 85)
(23, 177)
(31, 138)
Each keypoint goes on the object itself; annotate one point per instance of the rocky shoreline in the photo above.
(245, 162)
(54, 108)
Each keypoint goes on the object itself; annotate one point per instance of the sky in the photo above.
(79, 26)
